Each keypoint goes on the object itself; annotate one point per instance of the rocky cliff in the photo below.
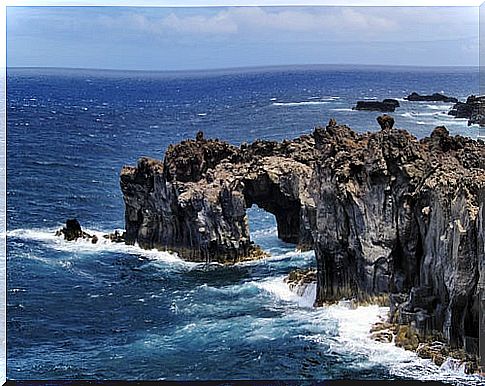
(385, 213)
(194, 202)
(398, 215)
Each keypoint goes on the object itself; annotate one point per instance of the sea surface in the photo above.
(110, 311)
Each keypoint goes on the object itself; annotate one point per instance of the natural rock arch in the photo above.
(194, 202)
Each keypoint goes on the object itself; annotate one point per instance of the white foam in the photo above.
(330, 98)
(442, 107)
(354, 336)
(305, 103)
(80, 246)
(278, 288)
(342, 109)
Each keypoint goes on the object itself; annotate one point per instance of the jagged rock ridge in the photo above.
(398, 215)
(194, 202)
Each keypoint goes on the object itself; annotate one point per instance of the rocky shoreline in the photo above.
(388, 330)
(431, 346)
(389, 216)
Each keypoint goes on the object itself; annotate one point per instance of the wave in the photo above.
(330, 98)
(304, 103)
(84, 246)
(354, 337)
(342, 109)
(441, 107)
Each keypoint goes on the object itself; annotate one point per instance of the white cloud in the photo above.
(255, 20)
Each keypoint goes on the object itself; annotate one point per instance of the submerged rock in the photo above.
(387, 105)
(116, 236)
(299, 279)
(436, 97)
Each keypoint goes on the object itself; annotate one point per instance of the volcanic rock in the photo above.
(72, 231)
(194, 202)
(387, 105)
(436, 97)
(398, 215)
(473, 109)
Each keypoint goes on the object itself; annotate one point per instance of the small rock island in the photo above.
(387, 105)
(387, 214)
(436, 97)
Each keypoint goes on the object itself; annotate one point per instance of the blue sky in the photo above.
(140, 38)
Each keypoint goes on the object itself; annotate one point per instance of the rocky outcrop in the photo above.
(401, 216)
(387, 215)
(436, 97)
(387, 105)
(431, 346)
(299, 279)
(194, 202)
(473, 110)
(73, 231)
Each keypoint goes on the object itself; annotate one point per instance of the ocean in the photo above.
(109, 311)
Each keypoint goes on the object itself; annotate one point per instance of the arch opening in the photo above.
(269, 197)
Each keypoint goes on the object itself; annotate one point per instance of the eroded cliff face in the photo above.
(194, 202)
(385, 213)
(398, 215)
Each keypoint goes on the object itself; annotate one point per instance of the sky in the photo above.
(142, 38)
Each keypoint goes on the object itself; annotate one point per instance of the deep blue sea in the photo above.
(110, 311)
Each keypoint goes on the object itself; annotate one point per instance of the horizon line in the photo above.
(250, 67)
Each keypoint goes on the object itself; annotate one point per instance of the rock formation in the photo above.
(387, 105)
(436, 97)
(385, 213)
(473, 109)
(402, 216)
(194, 202)
(73, 231)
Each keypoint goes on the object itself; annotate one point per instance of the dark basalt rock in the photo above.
(116, 236)
(473, 109)
(398, 215)
(72, 230)
(387, 105)
(386, 122)
(194, 202)
(436, 97)
(387, 215)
